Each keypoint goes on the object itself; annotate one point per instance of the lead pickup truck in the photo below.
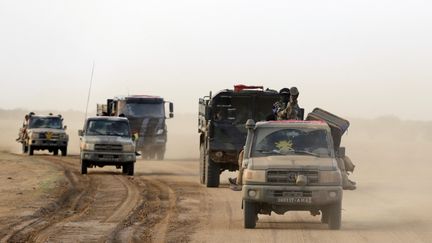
(291, 166)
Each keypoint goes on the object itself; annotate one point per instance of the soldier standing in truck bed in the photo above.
(291, 110)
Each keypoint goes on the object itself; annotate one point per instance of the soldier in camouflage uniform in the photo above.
(291, 110)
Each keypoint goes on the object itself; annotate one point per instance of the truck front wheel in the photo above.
(335, 216)
(131, 168)
(55, 151)
(83, 167)
(212, 173)
(24, 148)
(250, 215)
(64, 151)
(30, 150)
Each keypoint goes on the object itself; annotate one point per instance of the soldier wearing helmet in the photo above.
(292, 110)
(281, 104)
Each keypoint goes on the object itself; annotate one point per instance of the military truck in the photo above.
(44, 133)
(221, 128)
(107, 141)
(292, 166)
(147, 117)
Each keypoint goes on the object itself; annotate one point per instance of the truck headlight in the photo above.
(254, 175)
(128, 148)
(34, 135)
(88, 146)
(62, 136)
(330, 177)
(160, 132)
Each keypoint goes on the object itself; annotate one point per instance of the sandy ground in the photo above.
(45, 199)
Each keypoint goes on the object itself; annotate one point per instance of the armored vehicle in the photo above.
(147, 117)
(221, 122)
(44, 133)
(107, 141)
(292, 166)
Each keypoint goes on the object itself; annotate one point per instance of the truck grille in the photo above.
(108, 147)
(290, 177)
(49, 135)
(291, 193)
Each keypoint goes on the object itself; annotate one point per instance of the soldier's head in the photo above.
(27, 117)
(284, 94)
(294, 93)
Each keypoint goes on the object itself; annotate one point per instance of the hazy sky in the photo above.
(361, 58)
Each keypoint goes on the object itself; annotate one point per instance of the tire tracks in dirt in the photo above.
(88, 209)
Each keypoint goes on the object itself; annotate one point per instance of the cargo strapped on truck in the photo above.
(337, 124)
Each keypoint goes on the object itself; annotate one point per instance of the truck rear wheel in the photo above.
(55, 151)
(202, 164)
(250, 214)
(335, 216)
(212, 173)
(83, 167)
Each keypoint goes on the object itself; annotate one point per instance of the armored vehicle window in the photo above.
(45, 122)
(107, 128)
(144, 110)
(271, 141)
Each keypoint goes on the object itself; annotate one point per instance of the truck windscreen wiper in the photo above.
(306, 152)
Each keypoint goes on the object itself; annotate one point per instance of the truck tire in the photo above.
(160, 155)
(250, 215)
(64, 151)
(55, 151)
(202, 164)
(324, 216)
(131, 169)
(212, 173)
(125, 169)
(83, 167)
(24, 148)
(30, 150)
(335, 216)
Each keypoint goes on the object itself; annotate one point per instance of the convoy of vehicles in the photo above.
(291, 166)
(44, 133)
(107, 141)
(146, 115)
(286, 165)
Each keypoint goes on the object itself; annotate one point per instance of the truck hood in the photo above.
(43, 130)
(107, 140)
(290, 162)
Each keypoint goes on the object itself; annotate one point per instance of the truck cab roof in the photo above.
(108, 118)
(293, 123)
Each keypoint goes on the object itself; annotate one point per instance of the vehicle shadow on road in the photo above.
(292, 225)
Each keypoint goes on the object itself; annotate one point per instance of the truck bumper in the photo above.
(107, 158)
(307, 197)
(47, 144)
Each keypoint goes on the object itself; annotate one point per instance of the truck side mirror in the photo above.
(65, 127)
(171, 110)
(80, 133)
(341, 152)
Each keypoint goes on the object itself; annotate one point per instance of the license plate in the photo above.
(295, 200)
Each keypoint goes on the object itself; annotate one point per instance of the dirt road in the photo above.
(164, 203)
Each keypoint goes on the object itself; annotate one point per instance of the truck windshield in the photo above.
(107, 128)
(46, 122)
(144, 110)
(271, 141)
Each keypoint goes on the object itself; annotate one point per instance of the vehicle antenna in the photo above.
(89, 91)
